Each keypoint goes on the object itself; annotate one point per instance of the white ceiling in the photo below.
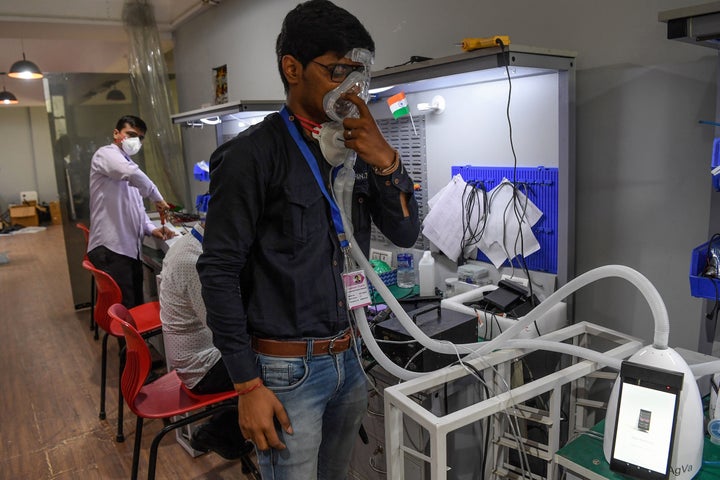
(76, 36)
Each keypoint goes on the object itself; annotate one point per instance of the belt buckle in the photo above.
(332, 343)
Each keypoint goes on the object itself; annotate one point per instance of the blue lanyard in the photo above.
(312, 163)
(197, 235)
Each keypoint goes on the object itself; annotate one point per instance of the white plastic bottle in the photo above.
(405, 270)
(426, 272)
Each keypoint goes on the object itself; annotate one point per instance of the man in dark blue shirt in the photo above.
(272, 262)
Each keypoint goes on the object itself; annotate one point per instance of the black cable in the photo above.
(413, 59)
(497, 321)
(518, 215)
(472, 232)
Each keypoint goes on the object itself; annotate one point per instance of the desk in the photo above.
(584, 457)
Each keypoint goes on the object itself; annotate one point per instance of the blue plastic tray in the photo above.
(700, 286)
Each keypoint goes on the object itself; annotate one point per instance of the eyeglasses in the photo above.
(340, 71)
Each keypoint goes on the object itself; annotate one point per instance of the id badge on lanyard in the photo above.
(357, 293)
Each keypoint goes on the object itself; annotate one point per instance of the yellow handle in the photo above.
(469, 44)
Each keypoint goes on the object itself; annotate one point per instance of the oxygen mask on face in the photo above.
(338, 108)
(332, 142)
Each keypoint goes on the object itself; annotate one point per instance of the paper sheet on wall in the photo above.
(510, 218)
(504, 236)
(443, 225)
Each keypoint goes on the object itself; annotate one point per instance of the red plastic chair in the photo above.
(163, 398)
(86, 233)
(147, 318)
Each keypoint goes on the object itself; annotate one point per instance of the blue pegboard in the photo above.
(542, 190)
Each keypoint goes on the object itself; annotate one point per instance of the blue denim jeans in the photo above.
(325, 397)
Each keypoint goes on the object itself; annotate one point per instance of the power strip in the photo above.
(518, 280)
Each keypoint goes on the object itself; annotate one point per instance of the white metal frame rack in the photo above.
(499, 409)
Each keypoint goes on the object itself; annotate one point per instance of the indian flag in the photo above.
(398, 105)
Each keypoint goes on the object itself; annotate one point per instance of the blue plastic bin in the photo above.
(201, 203)
(700, 286)
(200, 174)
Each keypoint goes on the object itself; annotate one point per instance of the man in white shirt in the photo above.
(118, 221)
(189, 348)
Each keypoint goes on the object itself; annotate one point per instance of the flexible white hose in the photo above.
(657, 306)
(343, 186)
(662, 325)
(707, 368)
(374, 349)
(600, 358)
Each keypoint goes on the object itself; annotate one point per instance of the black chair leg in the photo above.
(249, 468)
(93, 325)
(136, 448)
(121, 404)
(152, 461)
(103, 376)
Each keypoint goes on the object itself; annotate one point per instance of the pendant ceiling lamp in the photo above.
(7, 98)
(24, 68)
(115, 95)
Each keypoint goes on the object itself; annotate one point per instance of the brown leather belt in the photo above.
(299, 348)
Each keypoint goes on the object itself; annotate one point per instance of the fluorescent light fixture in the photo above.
(478, 66)
(246, 107)
(375, 91)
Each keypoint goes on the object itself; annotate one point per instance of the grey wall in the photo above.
(643, 189)
(26, 160)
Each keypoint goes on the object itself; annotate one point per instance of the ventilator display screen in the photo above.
(645, 421)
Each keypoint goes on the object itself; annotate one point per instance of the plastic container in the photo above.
(426, 272)
(450, 284)
(405, 270)
(702, 286)
(475, 274)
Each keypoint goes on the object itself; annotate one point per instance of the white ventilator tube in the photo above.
(342, 190)
(343, 187)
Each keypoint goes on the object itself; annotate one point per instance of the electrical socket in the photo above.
(384, 255)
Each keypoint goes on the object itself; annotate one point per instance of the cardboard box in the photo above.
(55, 213)
(25, 215)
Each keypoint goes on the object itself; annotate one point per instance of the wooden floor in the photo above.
(50, 377)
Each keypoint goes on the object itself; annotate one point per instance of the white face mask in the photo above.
(131, 145)
(332, 143)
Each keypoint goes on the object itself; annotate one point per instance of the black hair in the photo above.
(317, 27)
(133, 121)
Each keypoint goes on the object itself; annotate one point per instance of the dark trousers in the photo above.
(127, 273)
(225, 424)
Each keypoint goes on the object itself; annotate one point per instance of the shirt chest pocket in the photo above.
(305, 218)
